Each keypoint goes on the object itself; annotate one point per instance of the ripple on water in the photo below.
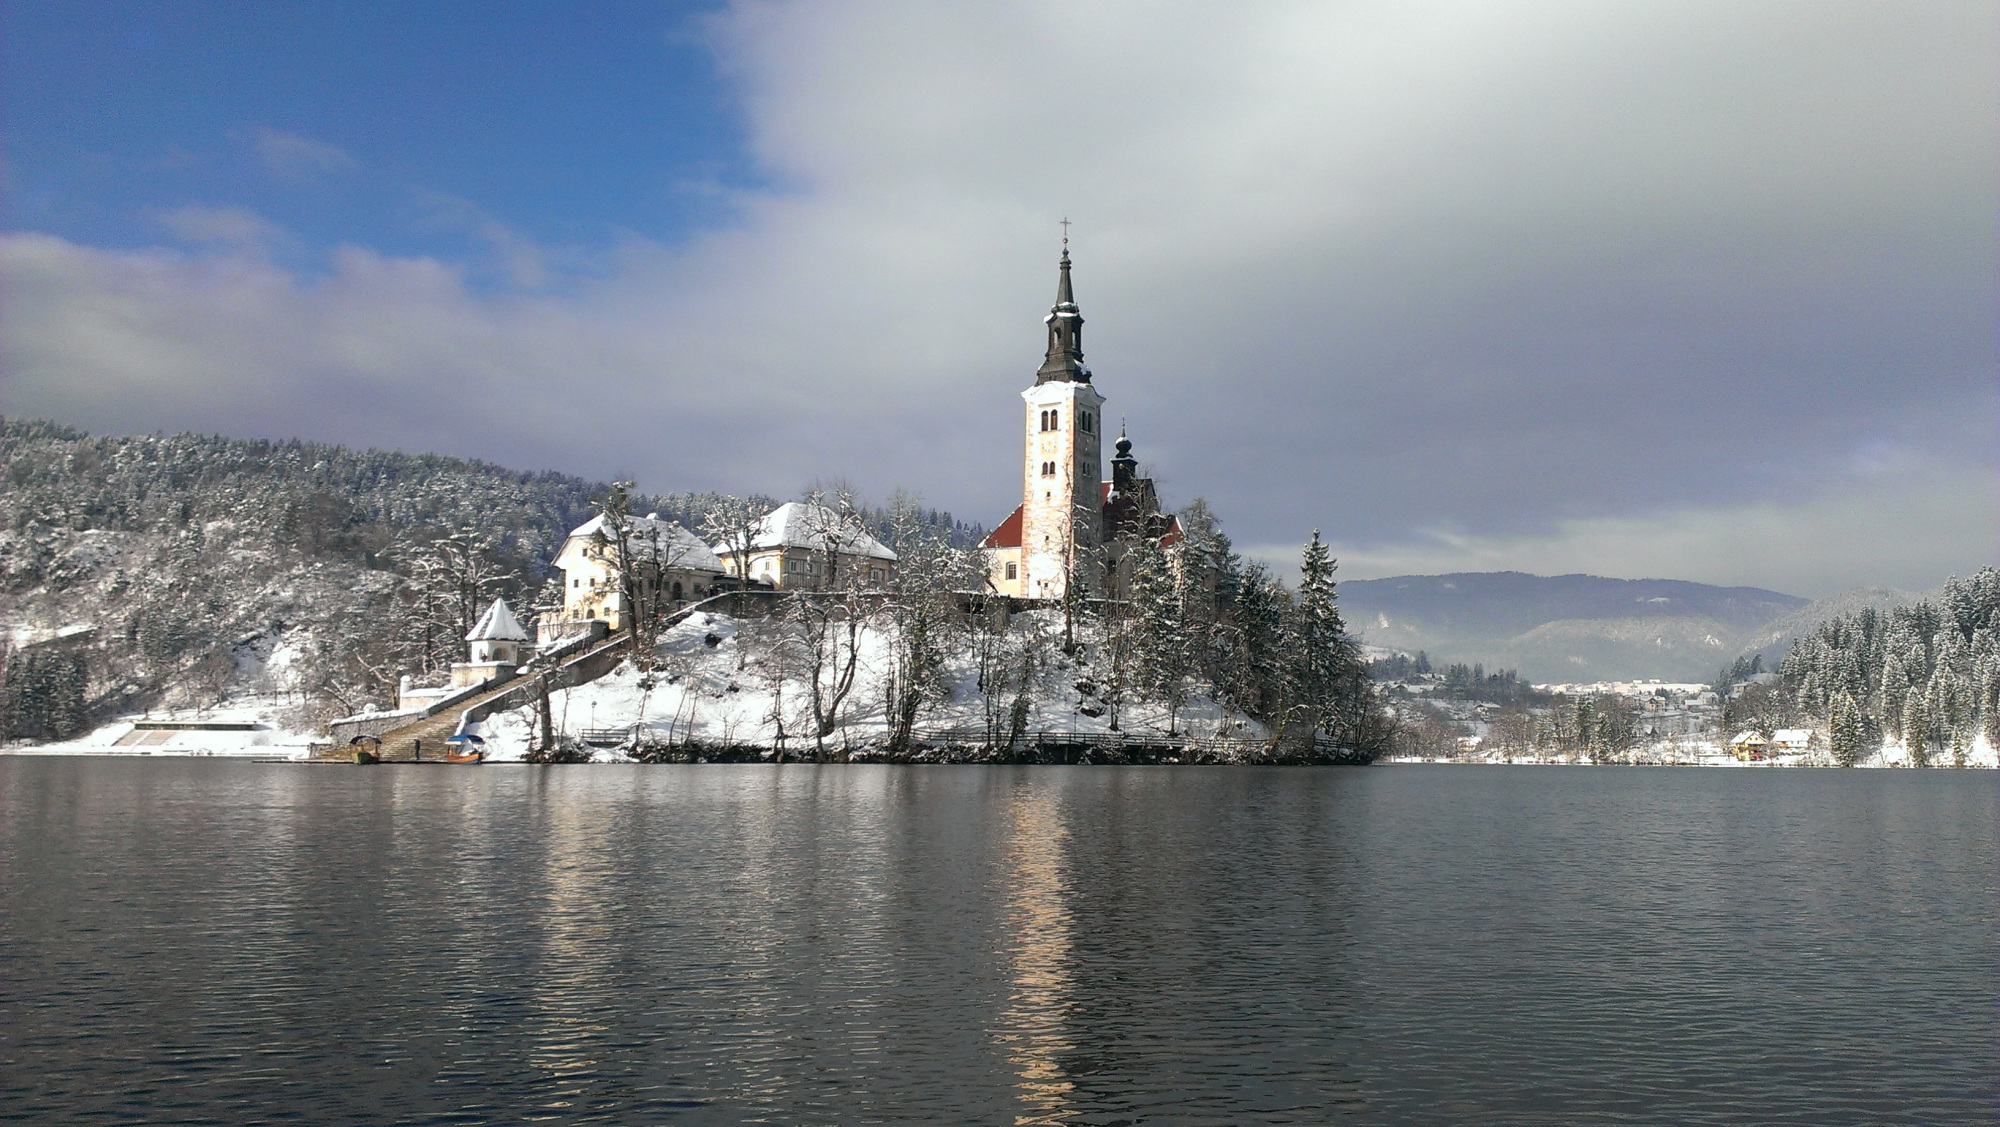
(222, 943)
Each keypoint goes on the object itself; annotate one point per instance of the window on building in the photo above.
(1012, 571)
(1084, 422)
(1055, 420)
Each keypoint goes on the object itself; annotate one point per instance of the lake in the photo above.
(224, 942)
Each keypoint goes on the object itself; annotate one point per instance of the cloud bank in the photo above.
(1697, 291)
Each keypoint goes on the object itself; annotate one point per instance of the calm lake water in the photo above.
(214, 942)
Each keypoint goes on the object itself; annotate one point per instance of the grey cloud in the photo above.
(1542, 276)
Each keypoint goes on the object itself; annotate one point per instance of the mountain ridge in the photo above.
(1565, 628)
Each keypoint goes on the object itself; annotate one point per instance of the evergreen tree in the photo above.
(1326, 683)
(1845, 731)
(1163, 642)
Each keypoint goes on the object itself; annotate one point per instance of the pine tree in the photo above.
(1163, 648)
(1327, 684)
(1845, 730)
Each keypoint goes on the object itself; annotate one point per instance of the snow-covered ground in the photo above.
(1710, 753)
(716, 681)
(258, 713)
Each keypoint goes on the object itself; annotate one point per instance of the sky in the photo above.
(1649, 290)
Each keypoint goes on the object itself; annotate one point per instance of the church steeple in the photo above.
(1065, 356)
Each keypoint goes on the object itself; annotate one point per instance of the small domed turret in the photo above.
(1124, 467)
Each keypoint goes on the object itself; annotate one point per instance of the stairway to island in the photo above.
(426, 738)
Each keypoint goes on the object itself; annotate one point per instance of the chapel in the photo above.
(1073, 529)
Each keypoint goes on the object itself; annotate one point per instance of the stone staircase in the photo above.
(401, 745)
(424, 739)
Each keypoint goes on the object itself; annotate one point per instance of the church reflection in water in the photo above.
(1034, 1026)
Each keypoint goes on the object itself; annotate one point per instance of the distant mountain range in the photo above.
(1571, 628)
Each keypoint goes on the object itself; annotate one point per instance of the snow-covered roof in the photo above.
(498, 624)
(797, 524)
(678, 547)
(1792, 736)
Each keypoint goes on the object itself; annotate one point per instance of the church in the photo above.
(1073, 530)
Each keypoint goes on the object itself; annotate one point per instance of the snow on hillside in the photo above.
(717, 681)
(260, 709)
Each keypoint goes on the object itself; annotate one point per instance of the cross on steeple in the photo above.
(1064, 360)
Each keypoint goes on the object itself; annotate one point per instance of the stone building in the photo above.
(495, 643)
(1072, 526)
(803, 545)
(673, 566)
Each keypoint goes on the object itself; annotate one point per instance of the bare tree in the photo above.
(451, 578)
(639, 553)
(921, 612)
(731, 524)
(830, 613)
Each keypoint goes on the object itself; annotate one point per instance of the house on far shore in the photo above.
(1791, 741)
(1749, 746)
(674, 567)
(802, 545)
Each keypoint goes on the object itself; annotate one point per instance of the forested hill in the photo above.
(169, 557)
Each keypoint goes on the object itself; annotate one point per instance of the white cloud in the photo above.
(226, 226)
(1374, 267)
(289, 156)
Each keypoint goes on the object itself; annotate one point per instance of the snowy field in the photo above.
(1710, 753)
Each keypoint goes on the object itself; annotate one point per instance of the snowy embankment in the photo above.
(259, 712)
(721, 682)
(1709, 753)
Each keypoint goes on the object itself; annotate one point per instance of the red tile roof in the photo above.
(1008, 535)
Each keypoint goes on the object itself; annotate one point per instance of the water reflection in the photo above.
(1034, 1027)
(567, 1030)
(238, 943)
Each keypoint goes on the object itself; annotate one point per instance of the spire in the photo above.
(1124, 467)
(1065, 356)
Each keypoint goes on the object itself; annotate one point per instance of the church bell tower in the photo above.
(1062, 506)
